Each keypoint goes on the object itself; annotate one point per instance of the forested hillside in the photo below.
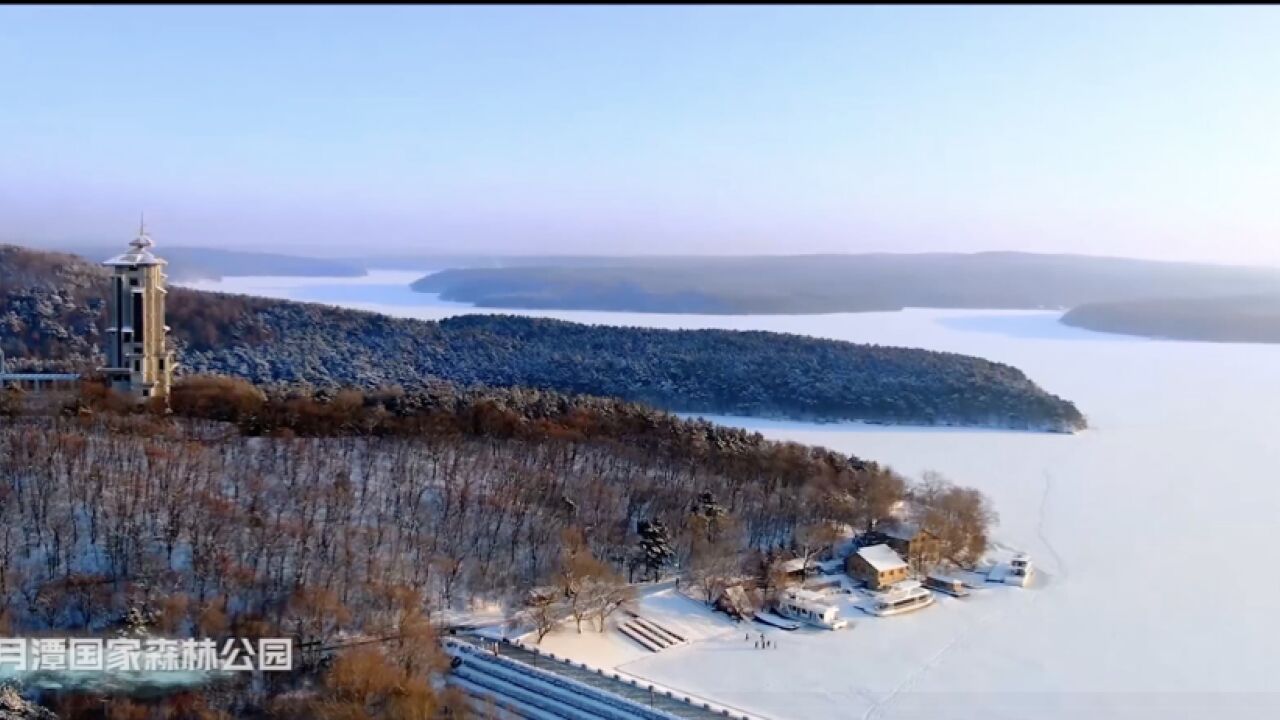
(50, 305)
(333, 517)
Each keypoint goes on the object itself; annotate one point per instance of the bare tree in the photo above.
(958, 517)
(715, 558)
(814, 537)
(543, 610)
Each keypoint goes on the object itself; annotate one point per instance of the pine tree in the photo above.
(655, 546)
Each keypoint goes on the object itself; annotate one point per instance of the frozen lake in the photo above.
(1152, 527)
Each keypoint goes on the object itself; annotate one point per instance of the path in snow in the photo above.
(1044, 506)
(965, 634)
(916, 675)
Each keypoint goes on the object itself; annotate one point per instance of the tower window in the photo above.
(139, 316)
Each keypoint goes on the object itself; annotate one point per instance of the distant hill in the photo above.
(1250, 318)
(841, 283)
(189, 263)
(51, 314)
(448, 260)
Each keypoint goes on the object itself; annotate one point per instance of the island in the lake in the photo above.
(1237, 318)
(52, 304)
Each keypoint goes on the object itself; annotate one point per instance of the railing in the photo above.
(510, 707)
(521, 696)
(689, 699)
(573, 697)
(569, 684)
(36, 378)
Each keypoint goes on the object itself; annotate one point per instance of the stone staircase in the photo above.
(649, 634)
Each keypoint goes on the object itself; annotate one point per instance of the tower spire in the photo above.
(143, 240)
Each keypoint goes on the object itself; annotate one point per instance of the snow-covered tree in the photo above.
(655, 547)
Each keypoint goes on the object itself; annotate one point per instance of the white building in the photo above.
(811, 607)
(901, 597)
(1020, 570)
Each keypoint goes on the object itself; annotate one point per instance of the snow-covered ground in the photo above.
(856, 669)
(1150, 531)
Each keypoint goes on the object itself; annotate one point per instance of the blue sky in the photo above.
(1133, 131)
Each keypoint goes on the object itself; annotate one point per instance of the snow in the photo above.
(833, 565)
(1178, 464)
(793, 565)
(775, 620)
(881, 557)
(812, 672)
(607, 649)
(480, 614)
(688, 618)
(809, 596)
(902, 587)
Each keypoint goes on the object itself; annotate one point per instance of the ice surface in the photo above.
(1148, 534)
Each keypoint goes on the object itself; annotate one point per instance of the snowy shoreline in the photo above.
(1175, 474)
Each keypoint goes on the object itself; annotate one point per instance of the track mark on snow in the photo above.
(967, 632)
(1044, 539)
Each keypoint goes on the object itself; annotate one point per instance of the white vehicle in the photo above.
(901, 597)
(946, 584)
(1020, 570)
(810, 607)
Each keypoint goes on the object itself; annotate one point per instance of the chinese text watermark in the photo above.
(145, 654)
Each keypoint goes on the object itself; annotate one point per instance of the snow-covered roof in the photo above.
(808, 597)
(139, 252)
(881, 557)
(901, 590)
(134, 257)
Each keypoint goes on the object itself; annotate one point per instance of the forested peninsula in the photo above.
(52, 311)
